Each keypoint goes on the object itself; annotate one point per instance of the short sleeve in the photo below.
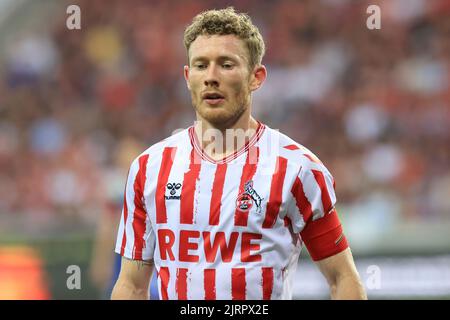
(135, 237)
(313, 213)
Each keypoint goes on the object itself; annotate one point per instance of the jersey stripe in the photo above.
(312, 158)
(139, 215)
(125, 217)
(164, 171)
(241, 217)
(287, 221)
(303, 204)
(276, 193)
(165, 276)
(326, 201)
(181, 283)
(210, 284)
(238, 284)
(267, 283)
(217, 191)
(188, 190)
(292, 147)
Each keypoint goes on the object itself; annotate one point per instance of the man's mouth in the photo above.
(213, 98)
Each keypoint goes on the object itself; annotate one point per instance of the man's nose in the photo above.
(212, 78)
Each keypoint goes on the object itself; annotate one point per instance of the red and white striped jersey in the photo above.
(230, 229)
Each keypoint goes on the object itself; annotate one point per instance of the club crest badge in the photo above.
(248, 198)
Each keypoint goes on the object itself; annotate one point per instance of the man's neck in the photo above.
(219, 143)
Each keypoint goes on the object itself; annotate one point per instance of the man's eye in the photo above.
(227, 65)
(200, 66)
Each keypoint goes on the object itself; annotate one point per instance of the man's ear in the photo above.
(258, 76)
(186, 76)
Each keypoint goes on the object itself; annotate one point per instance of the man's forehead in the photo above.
(217, 44)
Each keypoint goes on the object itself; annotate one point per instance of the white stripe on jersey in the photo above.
(129, 232)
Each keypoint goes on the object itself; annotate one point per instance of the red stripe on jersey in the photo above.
(287, 221)
(164, 274)
(267, 283)
(163, 176)
(181, 284)
(210, 284)
(276, 193)
(125, 217)
(326, 201)
(291, 147)
(238, 284)
(188, 191)
(313, 158)
(302, 202)
(241, 217)
(139, 215)
(216, 198)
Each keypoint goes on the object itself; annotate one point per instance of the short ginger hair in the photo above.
(225, 22)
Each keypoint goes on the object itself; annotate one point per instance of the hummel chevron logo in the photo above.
(173, 187)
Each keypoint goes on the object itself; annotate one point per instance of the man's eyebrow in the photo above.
(220, 58)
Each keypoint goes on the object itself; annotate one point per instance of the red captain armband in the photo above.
(324, 237)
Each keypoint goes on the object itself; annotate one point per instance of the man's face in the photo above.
(219, 78)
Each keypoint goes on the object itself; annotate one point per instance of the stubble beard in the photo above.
(222, 117)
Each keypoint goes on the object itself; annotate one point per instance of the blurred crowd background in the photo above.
(76, 106)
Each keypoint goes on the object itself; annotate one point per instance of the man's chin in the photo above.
(217, 118)
(220, 116)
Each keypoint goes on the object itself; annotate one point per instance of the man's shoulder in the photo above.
(294, 151)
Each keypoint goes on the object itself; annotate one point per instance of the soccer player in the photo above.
(222, 209)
